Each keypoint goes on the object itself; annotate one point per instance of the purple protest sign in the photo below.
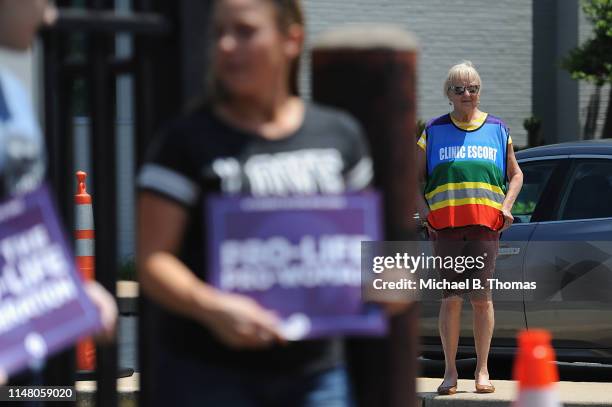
(43, 307)
(298, 256)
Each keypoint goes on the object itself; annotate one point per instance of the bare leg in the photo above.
(484, 321)
(449, 324)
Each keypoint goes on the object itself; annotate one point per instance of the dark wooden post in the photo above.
(370, 71)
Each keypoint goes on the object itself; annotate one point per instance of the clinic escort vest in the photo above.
(466, 173)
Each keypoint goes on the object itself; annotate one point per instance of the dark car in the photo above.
(562, 241)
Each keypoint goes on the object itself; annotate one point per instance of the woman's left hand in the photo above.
(508, 219)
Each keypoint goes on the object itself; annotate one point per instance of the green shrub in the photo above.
(127, 270)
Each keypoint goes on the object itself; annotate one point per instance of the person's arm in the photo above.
(236, 320)
(23, 167)
(515, 178)
(421, 203)
(422, 207)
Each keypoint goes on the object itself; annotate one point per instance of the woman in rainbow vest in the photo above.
(472, 178)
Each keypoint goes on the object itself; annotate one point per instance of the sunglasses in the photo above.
(459, 90)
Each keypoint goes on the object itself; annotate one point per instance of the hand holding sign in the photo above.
(239, 322)
(43, 307)
(299, 256)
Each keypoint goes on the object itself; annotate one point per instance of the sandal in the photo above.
(484, 388)
(447, 390)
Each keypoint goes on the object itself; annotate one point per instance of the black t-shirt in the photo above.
(201, 154)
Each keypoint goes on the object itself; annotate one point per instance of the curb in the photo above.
(127, 392)
(572, 394)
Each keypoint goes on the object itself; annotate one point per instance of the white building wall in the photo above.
(495, 35)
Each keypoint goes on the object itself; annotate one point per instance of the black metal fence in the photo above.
(81, 68)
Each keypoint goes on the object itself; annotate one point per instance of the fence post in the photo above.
(370, 71)
(103, 137)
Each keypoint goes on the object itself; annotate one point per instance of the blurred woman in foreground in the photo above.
(253, 136)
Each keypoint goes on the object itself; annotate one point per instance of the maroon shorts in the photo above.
(474, 241)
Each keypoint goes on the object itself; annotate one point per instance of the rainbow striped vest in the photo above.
(466, 172)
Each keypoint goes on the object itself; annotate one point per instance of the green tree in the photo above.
(592, 60)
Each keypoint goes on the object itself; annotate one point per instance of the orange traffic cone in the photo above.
(85, 259)
(535, 371)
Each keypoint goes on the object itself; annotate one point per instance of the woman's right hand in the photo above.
(431, 232)
(240, 322)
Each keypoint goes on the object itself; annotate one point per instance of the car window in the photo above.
(535, 177)
(589, 192)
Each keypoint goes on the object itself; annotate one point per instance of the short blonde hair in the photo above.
(464, 71)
